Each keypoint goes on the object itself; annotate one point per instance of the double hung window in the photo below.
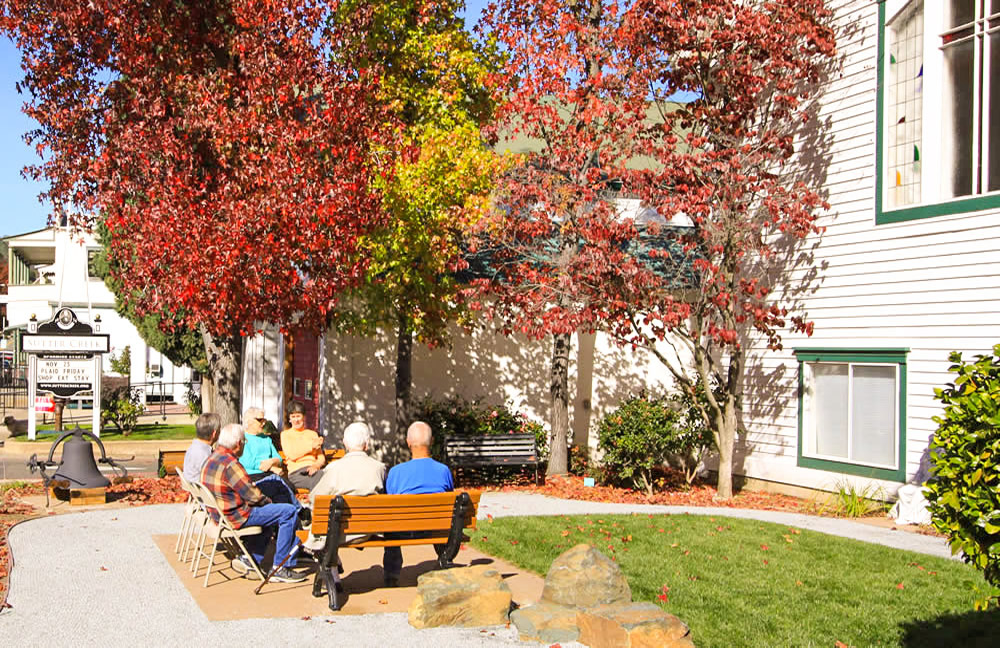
(939, 108)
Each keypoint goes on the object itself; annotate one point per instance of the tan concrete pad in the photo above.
(229, 596)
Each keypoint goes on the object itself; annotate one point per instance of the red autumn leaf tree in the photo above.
(567, 88)
(224, 147)
(592, 82)
(735, 161)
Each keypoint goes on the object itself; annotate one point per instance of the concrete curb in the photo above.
(24, 449)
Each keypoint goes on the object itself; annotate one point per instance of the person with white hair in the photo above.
(421, 474)
(355, 473)
(259, 457)
(243, 504)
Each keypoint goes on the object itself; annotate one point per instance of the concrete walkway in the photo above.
(95, 578)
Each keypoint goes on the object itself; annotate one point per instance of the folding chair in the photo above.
(192, 510)
(224, 532)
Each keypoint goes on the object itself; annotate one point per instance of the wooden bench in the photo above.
(168, 460)
(490, 450)
(439, 518)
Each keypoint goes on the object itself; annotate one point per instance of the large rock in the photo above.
(632, 625)
(546, 622)
(462, 596)
(583, 577)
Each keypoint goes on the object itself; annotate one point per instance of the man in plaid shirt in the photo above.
(244, 504)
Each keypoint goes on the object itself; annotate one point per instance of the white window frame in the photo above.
(809, 428)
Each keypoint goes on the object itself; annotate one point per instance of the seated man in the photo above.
(244, 504)
(303, 449)
(353, 474)
(206, 430)
(259, 457)
(420, 474)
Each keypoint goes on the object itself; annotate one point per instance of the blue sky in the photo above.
(21, 210)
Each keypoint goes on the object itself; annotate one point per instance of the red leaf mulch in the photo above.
(571, 487)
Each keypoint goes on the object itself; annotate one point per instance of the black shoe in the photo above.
(305, 517)
(286, 575)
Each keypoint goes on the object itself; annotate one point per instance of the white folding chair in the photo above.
(195, 519)
(224, 532)
(191, 509)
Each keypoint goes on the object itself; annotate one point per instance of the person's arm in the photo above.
(241, 484)
(272, 461)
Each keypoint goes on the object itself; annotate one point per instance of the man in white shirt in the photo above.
(206, 433)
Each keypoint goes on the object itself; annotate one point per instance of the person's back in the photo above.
(419, 475)
(206, 431)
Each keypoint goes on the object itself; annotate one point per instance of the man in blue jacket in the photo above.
(421, 474)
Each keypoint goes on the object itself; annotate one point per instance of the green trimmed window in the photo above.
(938, 138)
(852, 411)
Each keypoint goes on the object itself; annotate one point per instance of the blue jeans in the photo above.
(268, 516)
(276, 488)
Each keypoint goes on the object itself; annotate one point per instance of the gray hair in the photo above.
(419, 434)
(357, 435)
(231, 436)
(252, 413)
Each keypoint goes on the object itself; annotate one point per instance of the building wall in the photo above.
(357, 378)
(928, 285)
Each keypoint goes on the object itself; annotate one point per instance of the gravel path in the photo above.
(97, 578)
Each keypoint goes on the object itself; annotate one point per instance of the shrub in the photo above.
(645, 433)
(457, 415)
(964, 490)
(636, 439)
(122, 407)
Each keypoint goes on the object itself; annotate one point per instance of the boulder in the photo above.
(462, 596)
(546, 622)
(632, 625)
(583, 577)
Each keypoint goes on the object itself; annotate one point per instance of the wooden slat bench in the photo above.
(478, 451)
(168, 460)
(440, 518)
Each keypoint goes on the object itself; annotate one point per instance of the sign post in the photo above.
(64, 359)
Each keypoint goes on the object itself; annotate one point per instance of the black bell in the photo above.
(78, 465)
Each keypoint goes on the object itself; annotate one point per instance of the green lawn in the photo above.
(746, 583)
(142, 432)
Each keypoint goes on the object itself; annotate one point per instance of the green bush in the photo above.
(964, 489)
(644, 433)
(457, 415)
(122, 407)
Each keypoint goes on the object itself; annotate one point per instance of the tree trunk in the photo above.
(404, 384)
(559, 391)
(225, 365)
(726, 426)
(207, 393)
